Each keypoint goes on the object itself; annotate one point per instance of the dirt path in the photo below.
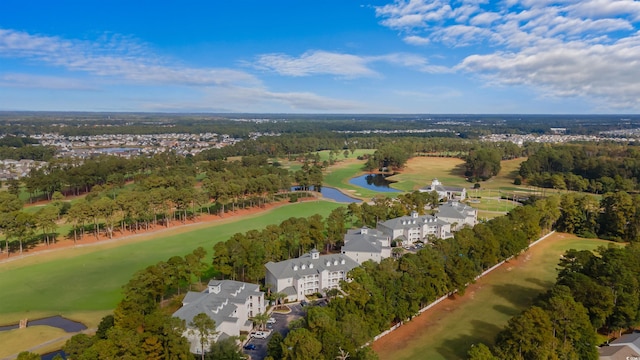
(430, 319)
(121, 237)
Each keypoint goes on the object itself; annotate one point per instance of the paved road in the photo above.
(281, 326)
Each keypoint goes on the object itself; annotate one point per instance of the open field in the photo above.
(18, 340)
(80, 281)
(419, 171)
(324, 155)
(449, 329)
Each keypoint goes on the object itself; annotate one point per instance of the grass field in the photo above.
(448, 330)
(16, 341)
(419, 171)
(76, 282)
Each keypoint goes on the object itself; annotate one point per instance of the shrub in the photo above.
(517, 181)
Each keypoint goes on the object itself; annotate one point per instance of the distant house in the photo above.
(308, 274)
(231, 304)
(366, 244)
(455, 212)
(409, 229)
(625, 347)
(445, 192)
(617, 353)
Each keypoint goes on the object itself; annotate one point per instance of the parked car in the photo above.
(271, 321)
(250, 347)
(303, 303)
(260, 334)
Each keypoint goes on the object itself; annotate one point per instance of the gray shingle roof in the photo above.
(219, 306)
(305, 265)
(616, 352)
(408, 222)
(362, 243)
(364, 240)
(453, 210)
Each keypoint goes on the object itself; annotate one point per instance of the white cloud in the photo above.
(115, 59)
(416, 40)
(605, 72)
(244, 99)
(113, 56)
(315, 63)
(584, 48)
(485, 18)
(343, 65)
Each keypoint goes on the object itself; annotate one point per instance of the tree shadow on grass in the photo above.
(519, 296)
(542, 283)
(458, 170)
(507, 310)
(457, 348)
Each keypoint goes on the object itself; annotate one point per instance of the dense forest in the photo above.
(596, 168)
(123, 194)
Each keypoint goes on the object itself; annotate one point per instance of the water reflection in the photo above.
(375, 182)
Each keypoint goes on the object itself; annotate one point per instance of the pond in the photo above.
(375, 182)
(54, 321)
(332, 194)
(336, 195)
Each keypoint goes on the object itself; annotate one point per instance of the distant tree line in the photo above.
(596, 168)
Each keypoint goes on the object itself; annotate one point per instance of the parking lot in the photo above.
(281, 326)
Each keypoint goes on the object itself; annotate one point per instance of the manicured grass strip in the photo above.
(419, 171)
(90, 278)
(18, 340)
(450, 330)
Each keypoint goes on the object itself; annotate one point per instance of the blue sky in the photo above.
(326, 56)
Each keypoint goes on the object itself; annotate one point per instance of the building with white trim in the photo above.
(409, 229)
(445, 192)
(231, 304)
(455, 212)
(366, 244)
(308, 274)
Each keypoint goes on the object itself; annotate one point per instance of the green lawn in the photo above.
(324, 154)
(484, 312)
(80, 281)
(420, 170)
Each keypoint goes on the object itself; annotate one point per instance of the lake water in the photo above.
(375, 182)
(334, 194)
